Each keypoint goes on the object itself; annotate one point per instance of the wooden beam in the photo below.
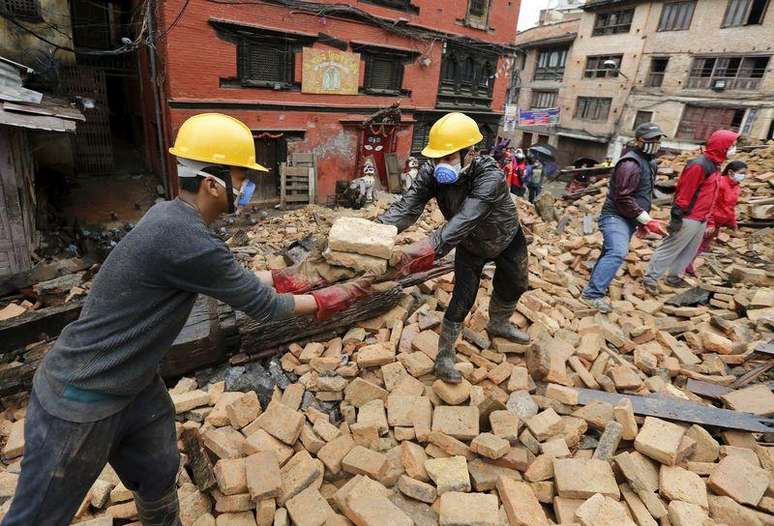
(683, 411)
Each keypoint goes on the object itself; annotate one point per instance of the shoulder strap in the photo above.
(709, 169)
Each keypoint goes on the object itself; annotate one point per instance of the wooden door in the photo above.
(17, 228)
(269, 152)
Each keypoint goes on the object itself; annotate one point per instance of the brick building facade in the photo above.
(692, 66)
(246, 58)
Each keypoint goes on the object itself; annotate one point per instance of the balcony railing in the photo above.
(549, 74)
(731, 83)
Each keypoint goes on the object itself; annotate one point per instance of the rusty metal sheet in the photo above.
(36, 122)
(682, 411)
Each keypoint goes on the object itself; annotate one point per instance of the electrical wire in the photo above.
(391, 26)
(150, 40)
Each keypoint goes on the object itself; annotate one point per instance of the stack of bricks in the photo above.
(360, 244)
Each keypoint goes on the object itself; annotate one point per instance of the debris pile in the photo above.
(653, 414)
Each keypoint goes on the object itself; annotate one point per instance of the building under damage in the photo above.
(691, 66)
(306, 76)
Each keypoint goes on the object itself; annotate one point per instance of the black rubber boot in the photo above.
(164, 511)
(500, 322)
(444, 362)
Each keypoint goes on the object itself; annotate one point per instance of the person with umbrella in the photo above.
(544, 166)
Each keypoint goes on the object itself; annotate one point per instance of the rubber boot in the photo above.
(444, 362)
(164, 511)
(500, 321)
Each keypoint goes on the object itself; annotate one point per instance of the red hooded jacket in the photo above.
(693, 177)
(724, 211)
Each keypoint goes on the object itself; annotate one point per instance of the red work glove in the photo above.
(336, 298)
(298, 279)
(651, 227)
(416, 257)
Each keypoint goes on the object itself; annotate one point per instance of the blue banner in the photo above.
(543, 117)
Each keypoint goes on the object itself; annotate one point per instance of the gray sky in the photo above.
(530, 9)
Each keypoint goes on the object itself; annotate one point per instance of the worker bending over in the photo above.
(97, 395)
(482, 224)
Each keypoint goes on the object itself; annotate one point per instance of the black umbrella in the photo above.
(543, 150)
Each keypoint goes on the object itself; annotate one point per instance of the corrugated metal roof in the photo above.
(36, 122)
(27, 108)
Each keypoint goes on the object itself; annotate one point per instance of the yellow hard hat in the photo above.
(451, 133)
(218, 139)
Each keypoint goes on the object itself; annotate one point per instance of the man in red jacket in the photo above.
(694, 201)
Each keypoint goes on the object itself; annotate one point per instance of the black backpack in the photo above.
(709, 169)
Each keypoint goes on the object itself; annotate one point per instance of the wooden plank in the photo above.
(682, 411)
(200, 464)
(298, 199)
(707, 389)
(199, 344)
(302, 158)
(766, 348)
(30, 327)
(393, 172)
(283, 181)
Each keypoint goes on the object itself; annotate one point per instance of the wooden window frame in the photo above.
(743, 12)
(671, 19)
(478, 21)
(706, 70)
(28, 10)
(466, 77)
(585, 106)
(399, 60)
(555, 73)
(637, 121)
(655, 79)
(537, 95)
(248, 46)
(594, 66)
(602, 29)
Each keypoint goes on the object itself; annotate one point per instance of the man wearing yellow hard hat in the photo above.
(482, 225)
(97, 396)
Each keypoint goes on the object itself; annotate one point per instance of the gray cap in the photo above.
(648, 130)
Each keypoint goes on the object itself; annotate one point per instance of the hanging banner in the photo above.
(510, 118)
(329, 71)
(544, 117)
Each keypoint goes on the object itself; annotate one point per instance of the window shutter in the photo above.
(382, 74)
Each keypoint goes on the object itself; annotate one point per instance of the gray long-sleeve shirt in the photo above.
(138, 304)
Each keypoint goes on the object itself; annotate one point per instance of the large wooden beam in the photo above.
(34, 326)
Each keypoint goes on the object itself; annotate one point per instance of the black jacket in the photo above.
(479, 210)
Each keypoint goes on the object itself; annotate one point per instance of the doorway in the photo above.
(271, 149)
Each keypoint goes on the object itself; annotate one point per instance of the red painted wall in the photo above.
(195, 59)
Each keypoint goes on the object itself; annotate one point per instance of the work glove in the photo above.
(416, 257)
(298, 279)
(711, 232)
(675, 220)
(651, 227)
(337, 298)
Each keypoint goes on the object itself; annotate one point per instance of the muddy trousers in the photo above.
(510, 277)
(677, 250)
(62, 459)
